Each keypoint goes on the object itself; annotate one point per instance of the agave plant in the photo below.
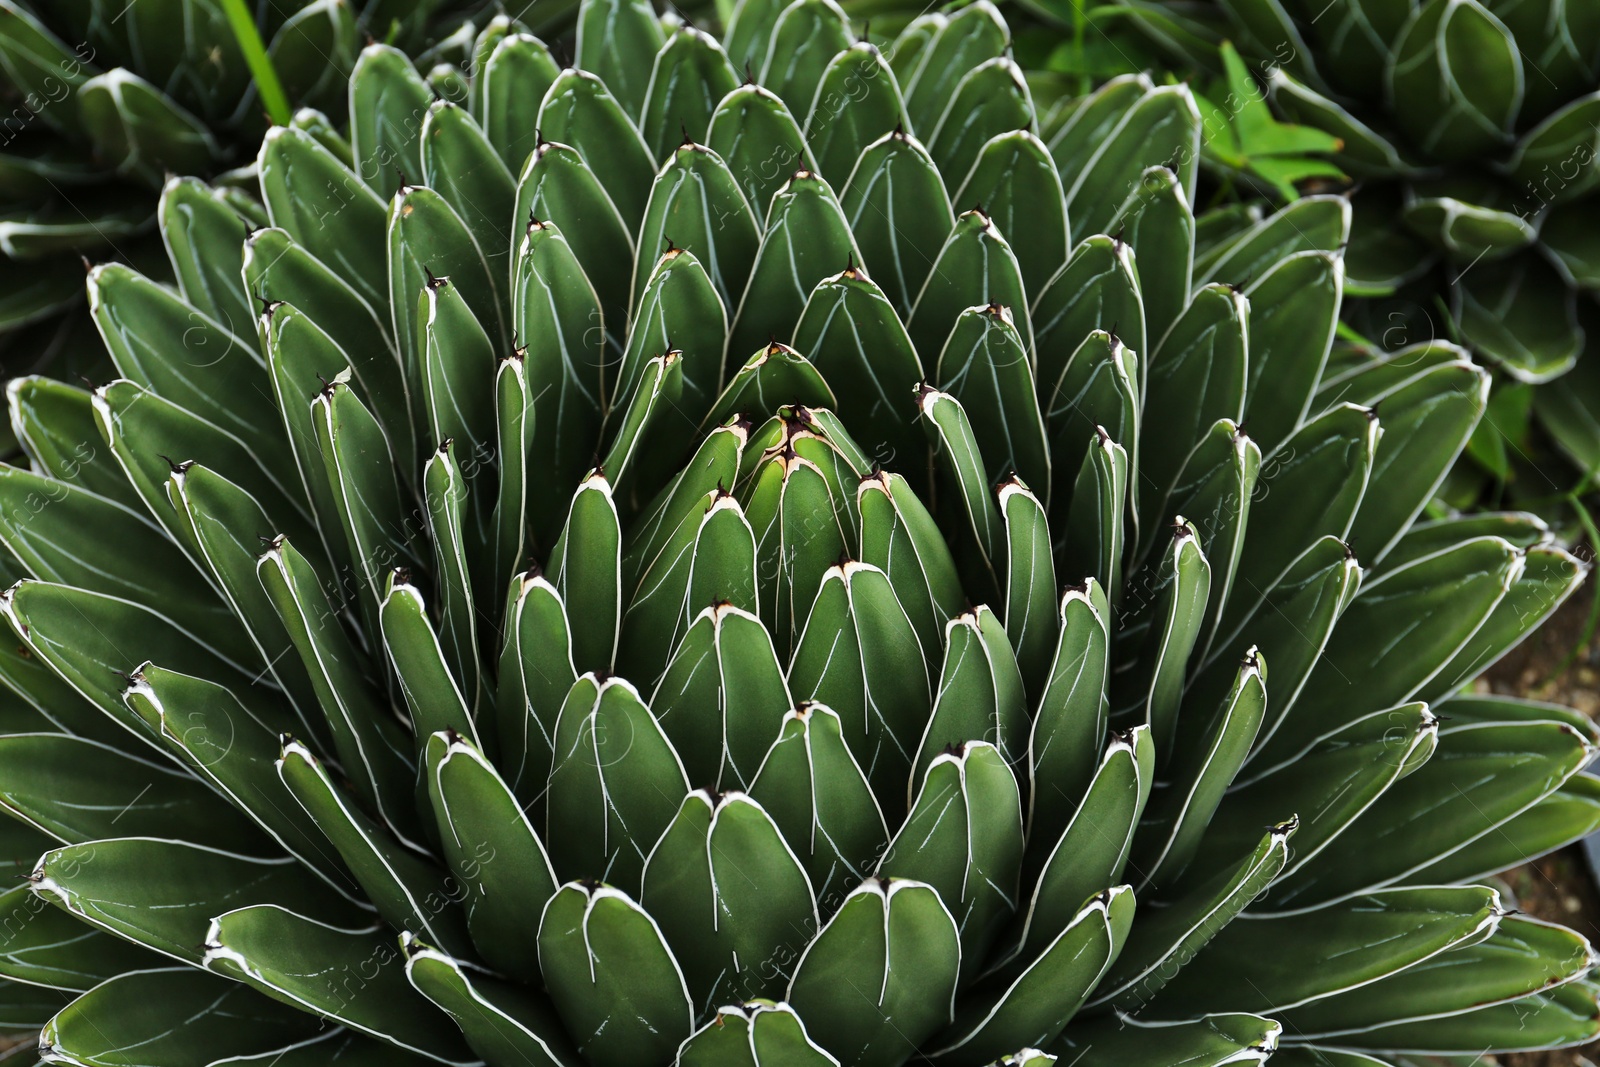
(103, 99)
(1470, 128)
(658, 576)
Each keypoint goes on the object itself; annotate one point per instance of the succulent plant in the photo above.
(1469, 127)
(657, 576)
(104, 98)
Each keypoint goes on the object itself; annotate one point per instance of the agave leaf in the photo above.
(535, 675)
(499, 1020)
(388, 101)
(750, 1035)
(514, 434)
(1070, 720)
(65, 534)
(968, 38)
(432, 690)
(1521, 956)
(964, 839)
(140, 130)
(1334, 780)
(55, 423)
(749, 32)
(980, 694)
(975, 267)
(492, 851)
(426, 233)
(1160, 128)
(1447, 118)
(1017, 183)
(47, 947)
(1036, 1006)
(1520, 313)
(1560, 1018)
(614, 982)
(857, 101)
(1174, 600)
(458, 369)
(725, 660)
(204, 239)
(179, 1013)
(368, 741)
(859, 655)
(1158, 224)
(735, 905)
(177, 888)
(1091, 853)
(1163, 943)
(956, 452)
(806, 240)
(114, 793)
(587, 568)
(900, 538)
(360, 470)
(894, 935)
(1429, 420)
(354, 977)
(407, 892)
(580, 111)
(805, 39)
(678, 310)
(326, 209)
(1567, 815)
(697, 200)
(173, 349)
(1549, 575)
(716, 462)
(690, 76)
(1382, 935)
(1095, 535)
(659, 609)
(1030, 593)
(816, 793)
(461, 165)
(985, 366)
(557, 314)
(556, 185)
(1213, 1041)
(1438, 603)
(519, 70)
(753, 130)
(1495, 770)
(1309, 488)
(788, 494)
(39, 65)
(120, 635)
(233, 748)
(1096, 391)
(1199, 774)
(851, 334)
(910, 46)
(1292, 322)
(276, 268)
(1096, 290)
(657, 395)
(223, 520)
(1197, 375)
(611, 786)
(618, 39)
(1312, 223)
(454, 537)
(991, 99)
(899, 211)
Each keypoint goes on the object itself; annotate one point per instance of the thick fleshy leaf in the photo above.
(899, 211)
(614, 981)
(733, 901)
(895, 937)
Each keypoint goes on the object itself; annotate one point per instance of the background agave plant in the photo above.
(1470, 128)
(659, 585)
(103, 99)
